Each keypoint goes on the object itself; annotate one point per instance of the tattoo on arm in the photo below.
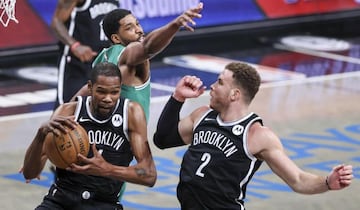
(140, 172)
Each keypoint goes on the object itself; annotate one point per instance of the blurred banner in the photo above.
(35, 15)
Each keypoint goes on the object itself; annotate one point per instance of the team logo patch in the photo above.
(238, 130)
(117, 120)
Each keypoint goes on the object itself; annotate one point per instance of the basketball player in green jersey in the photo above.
(132, 50)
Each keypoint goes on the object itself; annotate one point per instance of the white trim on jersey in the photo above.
(88, 110)
(249, 155)
(62, 64)
(245, 147)
(201, 119)
(60, 89)
(84, 7)
(78, 107)
(126, 118)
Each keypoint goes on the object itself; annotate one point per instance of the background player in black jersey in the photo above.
(97, 183)
(77, 25)
(228, 143)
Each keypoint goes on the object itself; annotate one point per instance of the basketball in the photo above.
(62, 150)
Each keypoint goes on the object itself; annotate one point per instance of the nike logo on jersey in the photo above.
(84, 120)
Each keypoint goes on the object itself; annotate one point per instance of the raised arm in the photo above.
(136, 52)
(171, 131)
(269, 148)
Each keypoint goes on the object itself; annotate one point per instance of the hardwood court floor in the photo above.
(317, 119)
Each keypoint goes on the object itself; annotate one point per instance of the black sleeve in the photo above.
(167, 133)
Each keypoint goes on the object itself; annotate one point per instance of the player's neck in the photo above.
(234, 113)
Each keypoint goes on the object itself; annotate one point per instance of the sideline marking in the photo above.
(164, 98)
(318, 53)
(312, 79)
(215, 64)
(26, 115)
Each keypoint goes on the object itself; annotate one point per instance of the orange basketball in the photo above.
(62, 150)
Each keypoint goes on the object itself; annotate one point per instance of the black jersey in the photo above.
(111, 139)
(85, 23)
(85, 26)
(217, 166)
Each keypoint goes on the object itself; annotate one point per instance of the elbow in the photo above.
(159, 144)
(168, 141)
(147, 174)
(28, 175)
(299, 188)
(151, 179)
(151, 182)
(157, 141)
(54, 23)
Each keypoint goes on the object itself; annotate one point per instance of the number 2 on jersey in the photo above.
(206, 159)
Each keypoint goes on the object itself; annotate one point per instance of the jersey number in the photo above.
(206, 159)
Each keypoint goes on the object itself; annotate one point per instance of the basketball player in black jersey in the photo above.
(105, 115)
(228, 143)
(77, 25)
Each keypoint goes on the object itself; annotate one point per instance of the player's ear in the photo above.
(115, 38)
(89, 85)
(234, 93)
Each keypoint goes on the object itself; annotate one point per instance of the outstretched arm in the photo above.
(136, 52)
(268, 147)
(172, 132)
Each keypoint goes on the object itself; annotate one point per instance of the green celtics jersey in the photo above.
(141, 94)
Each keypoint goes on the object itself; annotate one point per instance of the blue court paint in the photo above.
(45, 181)
(259, 187)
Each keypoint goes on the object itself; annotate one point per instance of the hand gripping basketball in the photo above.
(62, 150)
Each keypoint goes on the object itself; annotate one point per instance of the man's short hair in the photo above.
(111, 21)
(105, 69)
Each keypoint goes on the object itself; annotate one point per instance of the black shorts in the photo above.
(59, 198)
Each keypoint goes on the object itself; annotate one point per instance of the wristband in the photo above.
(74, 46)
(327, 183)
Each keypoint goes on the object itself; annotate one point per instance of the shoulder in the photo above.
(117, 47)
(136, 117)
(66, 109)
(199, 112)
(135, 110)
(113, 51)
(261, 139)
(257, 130)
(134, 106)
(132, 49)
